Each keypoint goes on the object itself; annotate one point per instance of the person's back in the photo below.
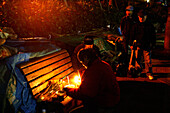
(102, 84)
(99, 89)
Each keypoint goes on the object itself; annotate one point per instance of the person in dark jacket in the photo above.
(99, 90)
(87, 43)
(144, 34)
(126, 26)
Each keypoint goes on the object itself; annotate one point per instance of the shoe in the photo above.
(149, 75)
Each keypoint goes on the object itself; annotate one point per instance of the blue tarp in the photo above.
(17, 89)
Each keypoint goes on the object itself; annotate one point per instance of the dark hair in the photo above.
(89, 53)
(88, 39)
(129, 8)
(142, 13)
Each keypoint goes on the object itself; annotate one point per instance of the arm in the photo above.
(89, 86)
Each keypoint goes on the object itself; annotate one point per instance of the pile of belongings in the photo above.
(6, 51)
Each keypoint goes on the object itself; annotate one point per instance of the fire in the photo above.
(70, 86)
(77, 80)
(73, 83)
(42, 98)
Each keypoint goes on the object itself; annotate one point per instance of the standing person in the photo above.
(99, 90)
(126, 26)
(144, 34)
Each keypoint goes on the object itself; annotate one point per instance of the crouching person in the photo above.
(99, 90)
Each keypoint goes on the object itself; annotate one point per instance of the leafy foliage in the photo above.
(42, 17)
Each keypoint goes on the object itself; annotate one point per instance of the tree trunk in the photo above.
(100, 5)
(167, 32)
(65, 1)
(116, 4)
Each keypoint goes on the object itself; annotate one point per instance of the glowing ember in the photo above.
(42, 98)
(77, 81)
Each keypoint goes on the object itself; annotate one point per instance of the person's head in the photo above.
(129, 10)
(142, 15)
(87, 56)
(88, 41)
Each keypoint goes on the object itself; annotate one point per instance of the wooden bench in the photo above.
(41, 71)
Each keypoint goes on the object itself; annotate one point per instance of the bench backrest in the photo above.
(50, 67)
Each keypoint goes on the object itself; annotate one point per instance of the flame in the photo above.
(42, 98)
(73, 82)
(70, 86)
(68, 80)
(77, 80)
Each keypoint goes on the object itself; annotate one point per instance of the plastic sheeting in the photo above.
(102, 44)
(15, 86)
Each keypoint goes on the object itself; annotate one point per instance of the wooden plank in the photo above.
(40, 71)
(39, 88)
(33, 61)
(42, 79)
(69, 73)
(44, 63)
(47, 69)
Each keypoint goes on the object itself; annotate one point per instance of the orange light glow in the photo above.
(70, 86)
(68, 80)
(73, 82)
(42, 98)
(3, 3)
(77, 81)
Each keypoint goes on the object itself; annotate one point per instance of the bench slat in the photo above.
(39, 88)
(47, 69)
(49, 75)
(43, 86)
(32, 62)
(44, 63)
(39, 71)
